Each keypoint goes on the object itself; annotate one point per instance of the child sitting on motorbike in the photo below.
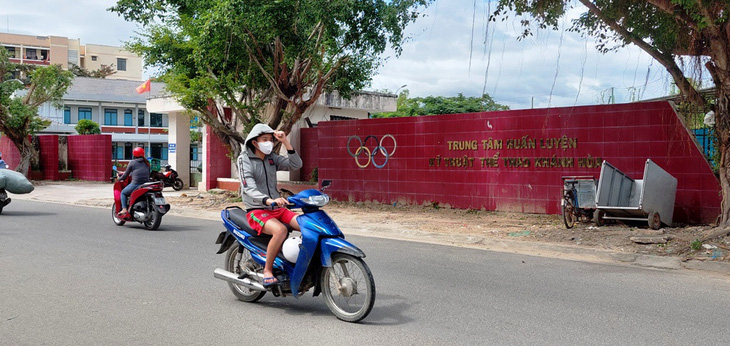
(257, 167)
(139, 170)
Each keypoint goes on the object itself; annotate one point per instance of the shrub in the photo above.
(87, 127)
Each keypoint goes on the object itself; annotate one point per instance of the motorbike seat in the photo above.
(238, 217)
(148, 184)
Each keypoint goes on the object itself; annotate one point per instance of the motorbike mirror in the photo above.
(326, 184)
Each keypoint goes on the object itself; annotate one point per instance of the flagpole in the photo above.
(149, 123)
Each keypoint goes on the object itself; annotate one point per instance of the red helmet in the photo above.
(138, 152)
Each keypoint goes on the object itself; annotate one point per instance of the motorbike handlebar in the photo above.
(275, 205)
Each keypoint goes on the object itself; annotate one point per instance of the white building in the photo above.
(118, 109)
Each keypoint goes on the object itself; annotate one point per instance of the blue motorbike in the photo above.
(319, 258)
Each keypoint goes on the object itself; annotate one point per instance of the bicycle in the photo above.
(573, 209)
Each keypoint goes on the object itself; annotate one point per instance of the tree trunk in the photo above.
(722, 126)
(27, 153)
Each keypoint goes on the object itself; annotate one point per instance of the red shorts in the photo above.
(257, 218)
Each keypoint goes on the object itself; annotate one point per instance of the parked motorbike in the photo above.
(168, 177)
(146, 204)
(319, 258)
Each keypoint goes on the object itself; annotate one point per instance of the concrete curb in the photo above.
(54, 194)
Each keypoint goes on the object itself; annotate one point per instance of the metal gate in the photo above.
(196, 166)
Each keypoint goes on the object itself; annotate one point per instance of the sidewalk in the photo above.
(94, 194)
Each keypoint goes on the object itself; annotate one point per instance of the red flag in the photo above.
(145, 87)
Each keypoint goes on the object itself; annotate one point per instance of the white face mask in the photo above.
(266, 147)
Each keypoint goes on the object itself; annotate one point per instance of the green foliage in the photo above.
(696, 244)
(433, 105)
(314, 176)
(87, 127)
(20, 99)
(244, 54)
(103, 72)
(195, 136)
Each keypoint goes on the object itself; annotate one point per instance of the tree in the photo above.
(668, 30)
(266, 60)
(433, 105)
(87, 127)
(19, 102)
(103, 71)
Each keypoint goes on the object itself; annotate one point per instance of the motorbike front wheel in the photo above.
(235, 264)
(177, 185)
(154, 222)
(348, 287)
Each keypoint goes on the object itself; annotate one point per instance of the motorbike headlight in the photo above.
(316, 201)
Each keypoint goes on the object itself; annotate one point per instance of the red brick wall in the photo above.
(309, 156)
(217, 163)
(11, 155)
(90, 156)
(49, 157)
(425, 169)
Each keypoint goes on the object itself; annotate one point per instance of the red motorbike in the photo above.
(168, 177)
(146, 204)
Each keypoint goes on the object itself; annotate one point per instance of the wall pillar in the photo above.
(216, 163)
(178, 137)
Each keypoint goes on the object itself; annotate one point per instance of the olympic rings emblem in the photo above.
(370, 154)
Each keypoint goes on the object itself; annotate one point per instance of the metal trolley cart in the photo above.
(621, 198)
(579, 199)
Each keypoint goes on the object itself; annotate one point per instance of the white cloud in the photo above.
(87, 20)
(541, 69)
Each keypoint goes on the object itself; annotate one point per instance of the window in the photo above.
(93, 58)
(84, 113)
(128, 121)
(30, 53)
(193, 153)
(110, 117)
(140, 118)
(11, 52)
(159, 151)
(121, 64)
(155, 120)
(127, 151)
(66, 115)
(117, 151)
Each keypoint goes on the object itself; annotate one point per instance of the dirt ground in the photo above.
(703, 242)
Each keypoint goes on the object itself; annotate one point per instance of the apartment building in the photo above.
(51, 50)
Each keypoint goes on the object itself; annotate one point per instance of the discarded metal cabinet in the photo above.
(619, 197)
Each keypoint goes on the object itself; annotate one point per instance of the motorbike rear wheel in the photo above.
(154, 222)
(246, 262)
(177, 185)
(117, 221)
(348, 287)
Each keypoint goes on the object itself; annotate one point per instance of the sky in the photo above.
(450, 50)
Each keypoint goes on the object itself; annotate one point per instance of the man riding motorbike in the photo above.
(257, 166)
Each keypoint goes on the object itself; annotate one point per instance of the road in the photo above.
(68, 276)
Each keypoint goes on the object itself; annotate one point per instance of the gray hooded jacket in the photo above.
(258, 177)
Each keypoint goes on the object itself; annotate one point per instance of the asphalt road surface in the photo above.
(68, 276)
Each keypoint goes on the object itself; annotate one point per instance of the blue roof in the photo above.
(111, 90)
